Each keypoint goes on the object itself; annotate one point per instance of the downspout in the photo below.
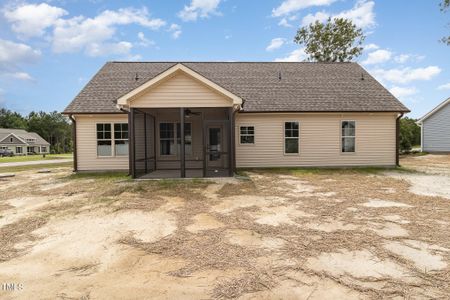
(397, 145)
(74, 142)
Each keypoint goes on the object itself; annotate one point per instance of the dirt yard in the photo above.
(279, 234)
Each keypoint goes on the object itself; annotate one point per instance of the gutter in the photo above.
(397, 144)
(74, 142)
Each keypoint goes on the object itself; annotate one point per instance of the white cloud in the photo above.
(94, 36)
(199, 9)
(17, 53)
(295, 56)
(371, 47)
(30, 20)
(401, 92)
(284, 22)
(403, 58)
(89, 34)
(362, 15)
(99, 49)
(444, 86)
(405, 75)
(176, 30)
(377, 57)
(12, 56)
(20, 76)
(275, 44)
(143, 41)
(319, 16)
(290, 6)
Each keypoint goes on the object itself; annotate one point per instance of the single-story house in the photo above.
(435, 129)
(22, 142)
(188, 119)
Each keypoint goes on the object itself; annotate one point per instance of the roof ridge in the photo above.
(233, 62)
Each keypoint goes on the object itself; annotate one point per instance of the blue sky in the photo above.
(49, 50)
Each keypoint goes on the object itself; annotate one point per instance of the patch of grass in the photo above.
(402, 169)
(34, 157)
(180, 183)
(33, 167)
(319, 171)
(99, 175)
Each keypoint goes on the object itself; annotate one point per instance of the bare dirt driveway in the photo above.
(280, 234)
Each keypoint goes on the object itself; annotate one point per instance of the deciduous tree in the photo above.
(336, 40)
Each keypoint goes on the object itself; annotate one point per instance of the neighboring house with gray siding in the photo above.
(436, 129)
(22, 142)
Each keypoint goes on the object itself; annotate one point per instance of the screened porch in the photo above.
(181, 142)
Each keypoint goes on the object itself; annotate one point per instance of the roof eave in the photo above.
(434, 110)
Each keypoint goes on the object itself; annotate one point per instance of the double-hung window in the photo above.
(291, 137)
(121, 139)
(19, 150)
(348, 136)
(104, 141)
(168, 133)
(187, 138)
(166, 139)
(247, 134)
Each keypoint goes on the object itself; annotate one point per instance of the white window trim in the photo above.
(176, 154)
(284, 138)
(113, 151)
(341, 137)
(254, 135)
(111, 139)
(113, 132)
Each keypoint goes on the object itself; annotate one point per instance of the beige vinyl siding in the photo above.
(87, 143)
(180, 90)
(320, 140)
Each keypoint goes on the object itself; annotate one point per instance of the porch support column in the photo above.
(182, 158)
(154, 143)
(231, 142)
(131, 142)
(145, 142)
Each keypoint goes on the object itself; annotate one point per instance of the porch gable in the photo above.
(179, 86)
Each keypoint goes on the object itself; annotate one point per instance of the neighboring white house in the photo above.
(436, 129)
(22, 142)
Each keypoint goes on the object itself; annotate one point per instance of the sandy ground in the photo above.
(278, 235)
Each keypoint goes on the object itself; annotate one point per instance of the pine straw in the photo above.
(5, 206)
(82, 270)
(20, 231)
(250, 282)
(204, 251)
(355, 189)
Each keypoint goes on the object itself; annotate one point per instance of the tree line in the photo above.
(54, 127)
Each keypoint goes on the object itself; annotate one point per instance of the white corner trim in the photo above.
(123, 101)
(432, 112)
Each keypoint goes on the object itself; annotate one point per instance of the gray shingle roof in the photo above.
(304, 87)
(23, 134)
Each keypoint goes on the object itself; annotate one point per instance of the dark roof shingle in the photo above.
(303, 87)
